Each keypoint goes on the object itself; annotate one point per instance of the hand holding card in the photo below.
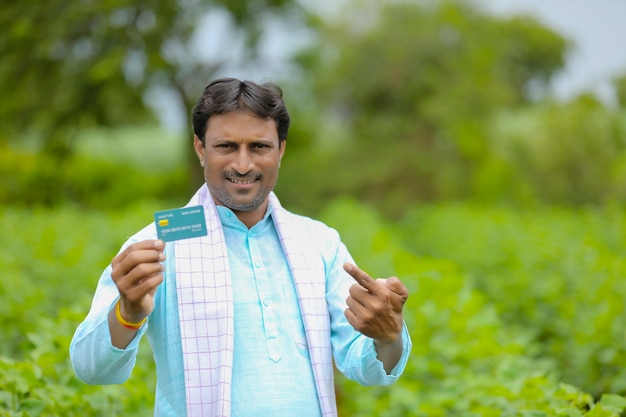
(137, 271)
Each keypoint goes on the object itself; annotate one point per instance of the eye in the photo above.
(225, 145)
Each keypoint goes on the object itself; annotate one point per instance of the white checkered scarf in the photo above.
(205, 307)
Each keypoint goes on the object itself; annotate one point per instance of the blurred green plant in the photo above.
(554, 270)
(32, 179)
(43, 383)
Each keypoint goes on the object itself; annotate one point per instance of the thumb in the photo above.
(396, 286)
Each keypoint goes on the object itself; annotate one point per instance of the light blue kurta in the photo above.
(282, 355)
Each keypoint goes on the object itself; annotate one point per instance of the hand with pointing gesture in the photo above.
(375, 306)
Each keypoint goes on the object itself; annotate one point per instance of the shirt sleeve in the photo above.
(94, 359)
(354, 353)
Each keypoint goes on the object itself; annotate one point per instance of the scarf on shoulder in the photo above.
(205, 308)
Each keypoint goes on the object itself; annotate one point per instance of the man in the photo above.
(248, 320)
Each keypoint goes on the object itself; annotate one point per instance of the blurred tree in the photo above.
(412, 84)
(572, 153)
(70, 65)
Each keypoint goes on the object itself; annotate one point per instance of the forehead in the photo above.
(240, 124)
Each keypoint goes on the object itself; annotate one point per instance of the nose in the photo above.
(243, 161)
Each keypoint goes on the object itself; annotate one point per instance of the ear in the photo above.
(281, 149)
(199, 148)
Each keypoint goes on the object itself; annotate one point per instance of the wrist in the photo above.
(388, 342)
(125, 323)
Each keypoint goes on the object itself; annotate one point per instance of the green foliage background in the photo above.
(424, 134)
(509, 333)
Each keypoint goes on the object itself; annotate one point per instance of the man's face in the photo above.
(241, 158)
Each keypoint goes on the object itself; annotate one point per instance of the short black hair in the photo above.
(230, 94)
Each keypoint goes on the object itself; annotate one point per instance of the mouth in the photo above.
(243, 181)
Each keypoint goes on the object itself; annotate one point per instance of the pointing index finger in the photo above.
(361, 277)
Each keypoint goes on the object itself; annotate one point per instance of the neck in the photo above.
(252, 217)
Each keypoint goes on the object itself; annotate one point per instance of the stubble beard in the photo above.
(231, 201)
(235, 204)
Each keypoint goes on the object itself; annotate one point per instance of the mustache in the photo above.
(247, 176)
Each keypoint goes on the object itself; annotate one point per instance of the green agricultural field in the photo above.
(491, 335)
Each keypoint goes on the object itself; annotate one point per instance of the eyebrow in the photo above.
(254, 140)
